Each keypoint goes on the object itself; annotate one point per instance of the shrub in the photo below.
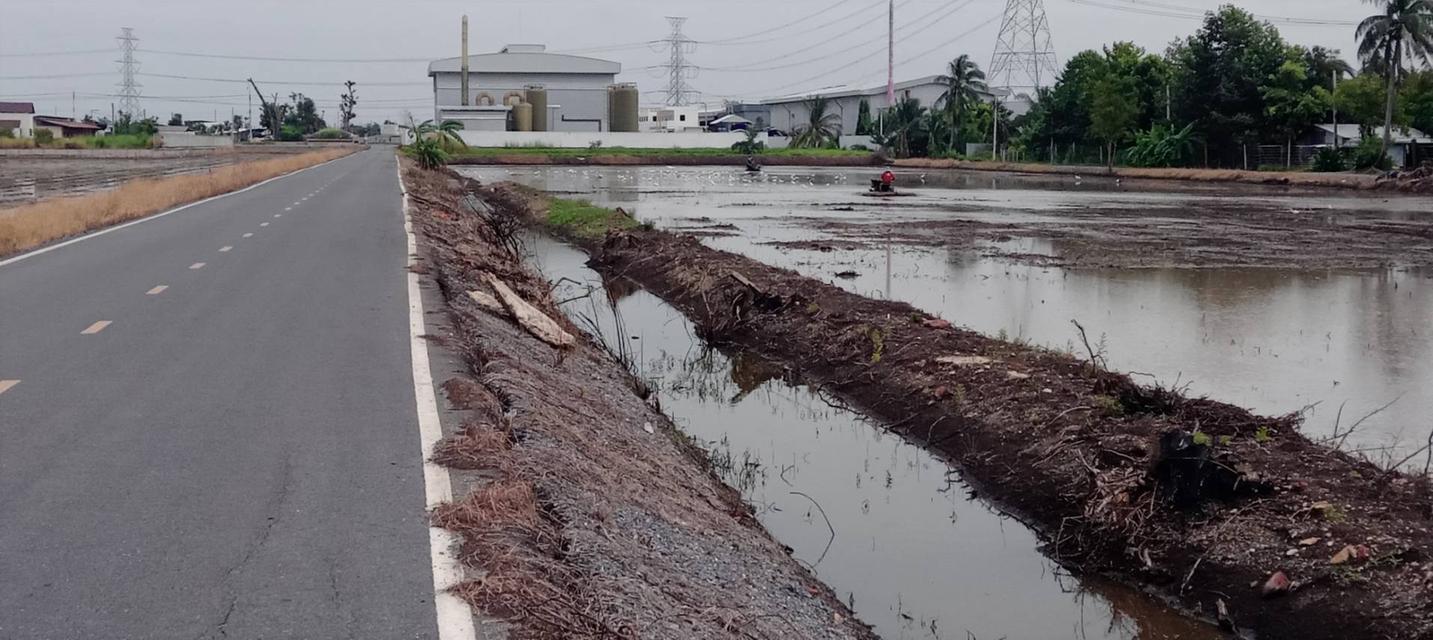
(330, 134)
(1329, 160)
(750, 145)
(291, 133)
(859, 147)
(44, 136)
(428, 153)
(7, 133)
(1369, 155)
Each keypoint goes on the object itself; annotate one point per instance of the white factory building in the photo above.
(576, 90)
(789, 113)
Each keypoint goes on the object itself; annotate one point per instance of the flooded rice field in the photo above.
(887, 525)
(1257, 296)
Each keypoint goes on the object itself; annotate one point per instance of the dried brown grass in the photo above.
(31, 225)
(476, 447)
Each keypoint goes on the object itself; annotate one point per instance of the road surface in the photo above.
(207, 423)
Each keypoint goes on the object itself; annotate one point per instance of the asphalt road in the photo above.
(235, 455)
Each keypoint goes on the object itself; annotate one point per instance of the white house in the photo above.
(18, 118)
(1349, 135)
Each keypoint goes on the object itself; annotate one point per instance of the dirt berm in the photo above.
(1238, 518)
(590, 515)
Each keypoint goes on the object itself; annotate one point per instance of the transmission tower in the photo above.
(678, 69)
(128, 67)
(1024, 56)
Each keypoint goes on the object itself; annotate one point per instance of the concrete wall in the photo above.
(573, 99)
(577, 140)
(185, 140)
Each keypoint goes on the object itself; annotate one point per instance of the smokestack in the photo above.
(465, 61)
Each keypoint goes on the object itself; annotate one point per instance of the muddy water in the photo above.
(906, 545)
(1273, 340)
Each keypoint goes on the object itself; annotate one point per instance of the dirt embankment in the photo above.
(1290, 178)
(1237, 517)
(592, 515)
(614, 160)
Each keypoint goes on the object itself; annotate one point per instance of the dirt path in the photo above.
(592, 516)
(1238, 517)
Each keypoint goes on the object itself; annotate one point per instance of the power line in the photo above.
(190, 54)
(295, 83)
(925, 21)
(54, 54)
(779, 27)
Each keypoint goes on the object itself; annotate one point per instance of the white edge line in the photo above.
(454, 617)
(100, 232)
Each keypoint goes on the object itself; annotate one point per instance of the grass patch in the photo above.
(585, 220)
(128, 141)
(31, 225)
(562, 152)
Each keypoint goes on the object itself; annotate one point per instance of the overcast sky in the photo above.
(831, 42)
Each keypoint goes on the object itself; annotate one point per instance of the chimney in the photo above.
(465, 62)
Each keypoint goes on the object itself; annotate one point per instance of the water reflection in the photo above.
(1272, 340)
(912, 553)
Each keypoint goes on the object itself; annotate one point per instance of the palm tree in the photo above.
(821, 125)
(1403, 30)
(964, 81)
(446, 133)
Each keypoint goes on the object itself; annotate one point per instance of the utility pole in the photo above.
(464, 82)
(1336, 143)
(678, 69)
(129, 88)
(1167, 117)
(891, 54)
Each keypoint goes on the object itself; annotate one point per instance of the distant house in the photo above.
(1401, 146)
(789, 113)
(65, 127)
(18, 118)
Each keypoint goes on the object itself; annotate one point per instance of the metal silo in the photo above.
(537, 97)
(622, 108)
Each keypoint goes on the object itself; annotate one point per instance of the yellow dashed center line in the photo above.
(157, 290)
(6, 385)
(95, 328)
(197, 265)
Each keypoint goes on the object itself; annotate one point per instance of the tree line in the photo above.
(1208, 100)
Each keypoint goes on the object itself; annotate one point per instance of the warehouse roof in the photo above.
(845, 91)
(525, 59)
(17, 107)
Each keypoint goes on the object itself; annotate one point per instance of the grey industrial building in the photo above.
(789, 113)
(576, 89)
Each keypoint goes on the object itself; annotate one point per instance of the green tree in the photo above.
(1218, 73)
(1290, 105)
(1400, 33)
(904, 129)
(964, 82)
(1360, 100)
(1416, 96)
(821, 128)
(864, 124)
(1113, 113)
